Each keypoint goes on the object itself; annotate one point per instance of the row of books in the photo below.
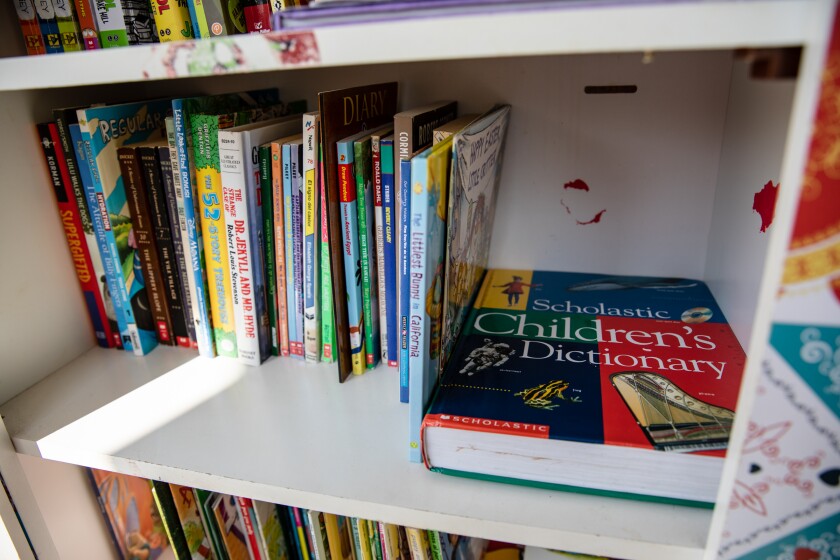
(55, 26)
(245, 233)
(155, 519)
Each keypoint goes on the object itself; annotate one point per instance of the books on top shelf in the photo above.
(619, 385)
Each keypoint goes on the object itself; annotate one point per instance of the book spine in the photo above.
(71, 221)
(160, 189)
(110, 22)
(403, 275)
(129, 335)
(146, 248)
(267, 194)
(315, 535)
(257, 16)
(246, 509)
(434, 545)
(383, 540)
(75, 168)
(49, 26)
(297, 247)
(203, 500)
(172, 20)
(288, 237)
(192, 523)
(87, 24)
(68, 27)
(240, 251)
(327, 312)
(178, 229)
(311, 311)
(257, 246)
(301, 533)
(352, 261)
(169, 516)
(199, 21)
(208, 184)
(416, 286)
(364, 209)
(379, 237)
(373, 540)
(280, 247)
(139, 22)
(389, 258)
(357, 539)
(28, 21)
(418, 544)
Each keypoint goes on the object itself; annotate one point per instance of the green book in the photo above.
(205, 509)
(264, 155)
(171, 522)
(328, 342)
(364, 206)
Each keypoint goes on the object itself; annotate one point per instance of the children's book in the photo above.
(110, 22)
(269, 250)
(205, 499)
(68, 26)
(195, 534)
(244, 231)
(343, 113)
(213, 18)
(104, 131)
(28, 22)
(631, 383)
(139, 22)
(172, 20)
(130, 513)
(429, 182)
(318, 534)
(279, 225)
(388, 297)
(291, 149)
(87, 24)
(379, 233)
(168, 513)
(270, 531)
(311, 237)
(45, 12)
(473, 187)
(297, 187)
(80, 239)
(328, 342)
(231, 527)
(339, 537)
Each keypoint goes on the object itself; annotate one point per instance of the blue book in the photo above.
(403, 264)
(295, 337)
(297, 245)
(427, 243)
(106, 129)
(48, 23)
(352, 254)
(389, 259)
(113, 306)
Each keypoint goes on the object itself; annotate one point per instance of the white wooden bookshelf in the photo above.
(676, 166)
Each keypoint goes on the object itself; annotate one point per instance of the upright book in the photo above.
(311, 236)
(345, 112)
(619, 385)
(28, 22)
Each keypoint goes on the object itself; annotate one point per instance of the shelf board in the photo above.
(562, 27)
(289, 433)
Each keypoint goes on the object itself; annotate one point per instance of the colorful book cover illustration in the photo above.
(279, 221)
(472, 207)
(29, 27)
(142, 231)
(87, 24)
(290, 149)
(110, 22)
(343, 113)
(244, 229)
(269, 251)
(429, 182)
(106, 129)
(379, 234)
(196, 537)
(350, 250)
(311, 237)
(178, 227)
(270, 530)
(139, 22)
(130, 511)
(68, 27)
(231, 527)
(172, 20)
(204, 500)
(616, 361)
(389, 249)
(367, 247)
(327, 311)
(78, 239)
(45, 12)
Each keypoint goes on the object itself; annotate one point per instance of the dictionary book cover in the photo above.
(617, 384)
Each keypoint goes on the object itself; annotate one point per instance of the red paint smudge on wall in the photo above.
(764, 203)
(594, 220)
(578, 184)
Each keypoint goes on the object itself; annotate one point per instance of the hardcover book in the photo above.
(270, 530)
(328, 343)
(343, 113)
(620, 385)
(192, 526)
(429, 179)
(105, 130)
(131, 514)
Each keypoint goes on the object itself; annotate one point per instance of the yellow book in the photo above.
(418, 543)
(338, 537)
(364, 540)
(172, 19)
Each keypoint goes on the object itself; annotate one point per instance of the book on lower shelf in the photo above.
(619, 385)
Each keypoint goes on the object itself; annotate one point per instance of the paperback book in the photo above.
(620, 385)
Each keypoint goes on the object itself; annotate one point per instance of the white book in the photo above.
(238, 155)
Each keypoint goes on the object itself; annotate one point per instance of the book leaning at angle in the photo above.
(603, 384)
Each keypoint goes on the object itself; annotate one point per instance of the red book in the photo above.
(73, 231)
(29, 27)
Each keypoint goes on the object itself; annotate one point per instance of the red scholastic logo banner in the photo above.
(486, 425)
